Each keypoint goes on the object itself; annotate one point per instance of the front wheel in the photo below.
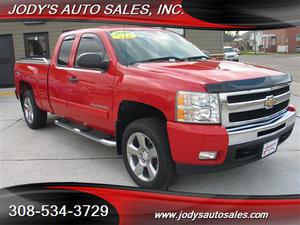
(146, 154)
(34, 116)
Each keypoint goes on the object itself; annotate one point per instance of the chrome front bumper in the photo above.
(257, 131)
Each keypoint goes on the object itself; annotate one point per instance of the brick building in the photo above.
(282, 40)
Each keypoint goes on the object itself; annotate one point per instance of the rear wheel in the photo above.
(146, 154)
(34, 116)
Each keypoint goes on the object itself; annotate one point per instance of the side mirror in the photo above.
(92, 61)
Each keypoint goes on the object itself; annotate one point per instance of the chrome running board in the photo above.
(93, 135)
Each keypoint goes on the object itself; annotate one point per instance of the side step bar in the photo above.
(88, 134)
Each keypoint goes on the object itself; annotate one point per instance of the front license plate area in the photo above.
(269, 148)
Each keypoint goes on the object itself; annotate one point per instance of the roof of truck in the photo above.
(111, 28)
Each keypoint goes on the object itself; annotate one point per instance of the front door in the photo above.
(90, 99)
(7, 60)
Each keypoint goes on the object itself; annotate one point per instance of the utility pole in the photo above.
(255, 42)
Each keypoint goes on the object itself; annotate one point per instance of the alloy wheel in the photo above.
(142, 156)
(28, 110)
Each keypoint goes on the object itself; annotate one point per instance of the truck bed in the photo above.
(34, 60)
(34, 71)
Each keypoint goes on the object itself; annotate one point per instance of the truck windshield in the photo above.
(134, 46)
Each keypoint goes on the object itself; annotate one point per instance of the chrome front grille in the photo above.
(253, 106)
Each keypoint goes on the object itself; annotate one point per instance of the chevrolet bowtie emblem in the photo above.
(270, 102)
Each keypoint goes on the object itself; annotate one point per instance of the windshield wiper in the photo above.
(159, 59)
(196, 57)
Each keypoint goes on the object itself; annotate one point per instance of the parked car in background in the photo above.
(237, 51)
(230, 54)
(298, 49)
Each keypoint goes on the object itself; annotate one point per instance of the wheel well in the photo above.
(130, 111)
(24, 86)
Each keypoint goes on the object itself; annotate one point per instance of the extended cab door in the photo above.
(58, 76)
(90, 98)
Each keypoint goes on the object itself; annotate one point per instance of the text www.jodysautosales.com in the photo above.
(192, 215)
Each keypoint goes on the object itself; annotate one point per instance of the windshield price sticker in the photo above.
(123, 34)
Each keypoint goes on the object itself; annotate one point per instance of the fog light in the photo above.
(207, 155)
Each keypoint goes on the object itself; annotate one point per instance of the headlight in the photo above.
(194, 107)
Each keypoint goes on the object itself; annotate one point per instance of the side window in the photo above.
(90, 43)
(65, 51)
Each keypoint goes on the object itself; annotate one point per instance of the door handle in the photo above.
(73, 79)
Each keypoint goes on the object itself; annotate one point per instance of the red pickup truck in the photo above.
(166, 107)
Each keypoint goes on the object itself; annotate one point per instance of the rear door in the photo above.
(90, 98)
(7, 60)
(59, 83)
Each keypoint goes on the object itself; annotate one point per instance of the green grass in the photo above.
(252, 53)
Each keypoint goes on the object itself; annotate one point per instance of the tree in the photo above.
(229, 36)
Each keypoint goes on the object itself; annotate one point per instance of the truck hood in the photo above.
(207, 72)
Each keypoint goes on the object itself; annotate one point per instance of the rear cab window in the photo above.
(65, 51)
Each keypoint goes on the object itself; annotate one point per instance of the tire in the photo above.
(34, 116)
(154, 169)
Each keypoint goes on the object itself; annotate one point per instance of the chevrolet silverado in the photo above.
(158, 99)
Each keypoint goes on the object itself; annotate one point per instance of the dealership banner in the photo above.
(205, 14)
(75, 203)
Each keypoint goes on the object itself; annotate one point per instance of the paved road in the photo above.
(54, 154)
(286, 63)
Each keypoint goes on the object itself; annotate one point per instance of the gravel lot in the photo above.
(54, 154)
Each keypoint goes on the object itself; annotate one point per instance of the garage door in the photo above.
(7, 61)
